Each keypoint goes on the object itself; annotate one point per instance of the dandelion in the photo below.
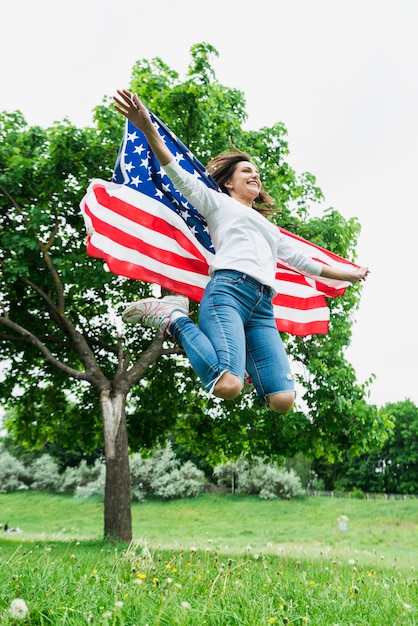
(169, 581)
(141, 576)
(351, 561)
(118, 604)
(18, 609)
(186, 605)
(272, 620)
(353, 590)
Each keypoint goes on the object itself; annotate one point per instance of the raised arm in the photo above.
(130, 106)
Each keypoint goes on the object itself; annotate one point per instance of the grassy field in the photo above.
(214, 560)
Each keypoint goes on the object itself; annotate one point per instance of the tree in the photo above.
(391, 468)
(70, 373)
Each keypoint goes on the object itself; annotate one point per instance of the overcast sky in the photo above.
(341, 76)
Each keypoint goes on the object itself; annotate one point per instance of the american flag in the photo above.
(144, 229)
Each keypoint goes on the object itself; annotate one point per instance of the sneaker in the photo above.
(248, 384)
(154, 312)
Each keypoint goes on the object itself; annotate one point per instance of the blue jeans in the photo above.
(236, 332)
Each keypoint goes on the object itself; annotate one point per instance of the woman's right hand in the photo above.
(130, 106)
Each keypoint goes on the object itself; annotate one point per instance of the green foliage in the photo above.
(389, 468)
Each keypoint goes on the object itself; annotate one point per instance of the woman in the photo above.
(236, 330)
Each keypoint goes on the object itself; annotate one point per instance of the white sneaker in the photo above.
(154, 312)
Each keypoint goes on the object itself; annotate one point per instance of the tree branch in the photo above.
(28, 337)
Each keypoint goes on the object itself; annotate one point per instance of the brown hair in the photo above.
(222, 167)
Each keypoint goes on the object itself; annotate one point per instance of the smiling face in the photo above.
(244, 184)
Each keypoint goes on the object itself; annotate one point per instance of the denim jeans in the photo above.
(236, 332)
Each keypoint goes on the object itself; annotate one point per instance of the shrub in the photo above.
(80, 476)
(185, 482)
(95, 487)
(162, 475)
(13, 475)
(45, 474)
(257, 477)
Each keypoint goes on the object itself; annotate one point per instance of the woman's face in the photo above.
(244, 184)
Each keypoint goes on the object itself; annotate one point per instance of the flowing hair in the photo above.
(222, 168)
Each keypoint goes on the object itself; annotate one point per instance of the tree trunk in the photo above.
(117, 503)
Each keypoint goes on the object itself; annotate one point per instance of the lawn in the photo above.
(214, 560)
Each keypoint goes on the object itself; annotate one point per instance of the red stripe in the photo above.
(135, 243)
(154, 223)
(303, 329)
(137, 272)
(295, 278)
(303, 304)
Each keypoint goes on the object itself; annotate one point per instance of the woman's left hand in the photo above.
(358, 275)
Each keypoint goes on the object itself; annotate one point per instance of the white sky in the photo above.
(342, 77)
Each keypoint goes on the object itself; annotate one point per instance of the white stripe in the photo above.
(301, 317)
(154, 208)
(296, 289)
(136, 258)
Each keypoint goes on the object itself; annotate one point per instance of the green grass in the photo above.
(213, 560)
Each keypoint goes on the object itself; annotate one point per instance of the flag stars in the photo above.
(132, 136)
(129, 166)
(144, 162)
(179, 157)
(139, 149)
(136, 181)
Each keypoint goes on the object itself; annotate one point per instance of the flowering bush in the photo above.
(45, 474)
(13, 475)
(257, 477)
(163, 476)
(95, 487)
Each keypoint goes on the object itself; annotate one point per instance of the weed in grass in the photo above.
(211, 561)
(81, 584)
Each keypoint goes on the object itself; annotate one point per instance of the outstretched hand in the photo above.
(130, 106)
(360, 274)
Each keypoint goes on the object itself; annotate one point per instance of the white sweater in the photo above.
(244, 240)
